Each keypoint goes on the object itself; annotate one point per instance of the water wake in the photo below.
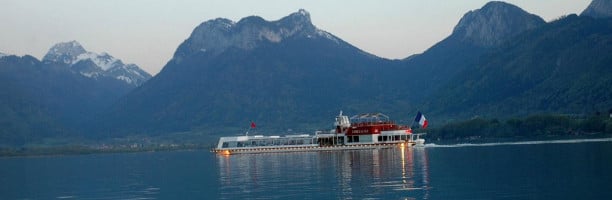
(433, 145)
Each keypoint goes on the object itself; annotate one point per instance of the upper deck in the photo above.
(373, 123)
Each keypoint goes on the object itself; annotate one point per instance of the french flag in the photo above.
(420, 118)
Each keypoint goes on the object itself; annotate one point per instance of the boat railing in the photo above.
(372, 123)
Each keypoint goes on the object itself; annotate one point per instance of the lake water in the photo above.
(576, 169)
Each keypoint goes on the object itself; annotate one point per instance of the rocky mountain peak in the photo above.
(299, 18)
(598, 9)
(64, 52)
(493, 23)
(94, 65)
(219, 34)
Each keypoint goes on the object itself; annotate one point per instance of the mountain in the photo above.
(42, 100)
(560, 67)
(285, 73)
(288, 74)
(494, 23)
(500, 61)
(95, 65)
(598, 9)
(20, 116)
(477, 32)
(58, 96)
(216, 36)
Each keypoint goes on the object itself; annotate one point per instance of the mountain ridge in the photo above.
(463, 48)
(561, 67)
(94, 65)
(493, 23)
(288, 75)
(48, 100)
(275, 75)
(287, 80)
(598, 9)
(219, 34)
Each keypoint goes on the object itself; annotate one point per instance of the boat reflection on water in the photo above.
(373, 173)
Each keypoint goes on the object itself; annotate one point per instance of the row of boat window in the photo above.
(303, 141)
(392, 137)
(381, 138)
(276, 142)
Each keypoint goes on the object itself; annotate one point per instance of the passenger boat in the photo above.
(365, 131)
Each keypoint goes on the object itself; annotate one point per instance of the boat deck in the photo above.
(280, 149)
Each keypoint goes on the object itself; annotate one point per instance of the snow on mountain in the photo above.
(103, 60)
(93, 65)
(129, 73)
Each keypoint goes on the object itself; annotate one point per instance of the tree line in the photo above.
(542, 125)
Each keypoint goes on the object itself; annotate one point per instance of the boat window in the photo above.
(225, 145)
(365, 138)
(231, 144)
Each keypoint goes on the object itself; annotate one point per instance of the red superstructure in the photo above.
(369, 124)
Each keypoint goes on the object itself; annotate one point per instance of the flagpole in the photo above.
(412, 124)
(252, 126)
(247, 132)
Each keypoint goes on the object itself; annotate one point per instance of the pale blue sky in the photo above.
(147, 32)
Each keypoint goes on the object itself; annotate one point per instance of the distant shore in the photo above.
(134, 148)
(479, 140)
(84, 150)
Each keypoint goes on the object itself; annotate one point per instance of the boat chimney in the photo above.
(342, 123)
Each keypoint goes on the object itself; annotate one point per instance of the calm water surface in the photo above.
(537, 170)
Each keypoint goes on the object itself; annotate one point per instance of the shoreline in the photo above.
(70, 150)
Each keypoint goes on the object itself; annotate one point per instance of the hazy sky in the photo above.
(147, 32)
